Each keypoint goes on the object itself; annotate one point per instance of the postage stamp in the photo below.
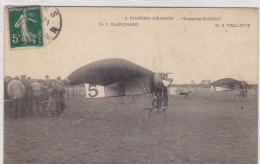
(25, 26)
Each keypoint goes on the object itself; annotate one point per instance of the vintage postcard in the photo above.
(130, 85)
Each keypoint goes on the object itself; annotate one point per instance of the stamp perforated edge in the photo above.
(7, 30)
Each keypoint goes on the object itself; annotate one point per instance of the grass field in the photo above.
(211, 128)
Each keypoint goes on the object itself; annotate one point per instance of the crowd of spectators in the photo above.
(31, 96)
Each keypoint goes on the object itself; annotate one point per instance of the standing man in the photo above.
(47, 81)
(57, 99)
(25, 104)
(29, 94)
(6, 81)
(46, 92)
(16, 92)
(165, 84)
(37, 90)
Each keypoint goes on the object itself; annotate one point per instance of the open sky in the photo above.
(190, 49)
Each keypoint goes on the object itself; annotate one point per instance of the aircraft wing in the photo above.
(113, 77)
(225, 84)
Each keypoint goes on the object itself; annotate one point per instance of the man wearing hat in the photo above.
(16, 91)
(37, 90)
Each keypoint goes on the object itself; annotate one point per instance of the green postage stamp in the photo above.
(25, 26)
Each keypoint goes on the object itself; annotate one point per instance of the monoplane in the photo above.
(120, 78)
(229, 84)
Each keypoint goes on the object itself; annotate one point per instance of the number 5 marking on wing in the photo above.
(93, 92)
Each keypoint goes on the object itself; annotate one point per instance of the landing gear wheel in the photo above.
(150, 117)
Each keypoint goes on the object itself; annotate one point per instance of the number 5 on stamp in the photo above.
(25, 26)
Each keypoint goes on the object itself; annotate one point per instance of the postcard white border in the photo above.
(114, 3)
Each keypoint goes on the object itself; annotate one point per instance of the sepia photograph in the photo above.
(125, 85)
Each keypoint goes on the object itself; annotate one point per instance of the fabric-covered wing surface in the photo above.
(228, 83)
(106, 72)
(117, 76)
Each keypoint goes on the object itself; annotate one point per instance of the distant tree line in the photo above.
(204, 84)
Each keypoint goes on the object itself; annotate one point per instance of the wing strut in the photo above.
(128, 101)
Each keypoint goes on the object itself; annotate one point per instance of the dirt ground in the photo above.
(212, 128)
